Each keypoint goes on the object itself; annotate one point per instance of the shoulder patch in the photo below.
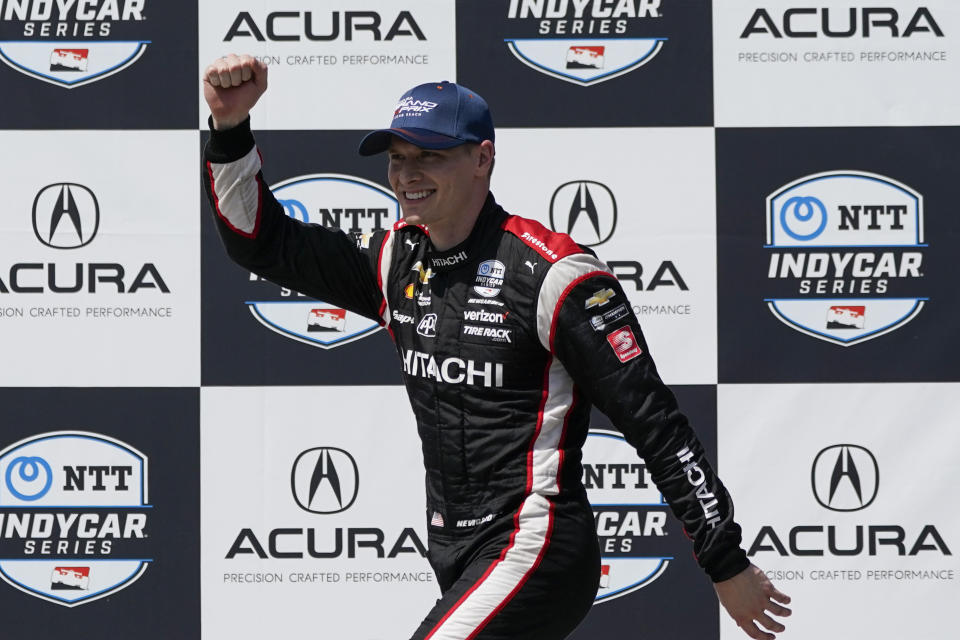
(401, 223)
(549, 244)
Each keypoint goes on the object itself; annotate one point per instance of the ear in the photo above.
(485, 157)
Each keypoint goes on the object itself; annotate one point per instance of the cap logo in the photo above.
(409, 106)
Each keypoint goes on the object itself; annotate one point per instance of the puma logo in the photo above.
(530, 264)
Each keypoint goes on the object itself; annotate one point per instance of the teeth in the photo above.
(417, 195)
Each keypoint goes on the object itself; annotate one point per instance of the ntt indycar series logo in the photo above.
(846, 255)
(584, 41)
(71, 43)
(630, 514)
(352, 205)
(73, 516)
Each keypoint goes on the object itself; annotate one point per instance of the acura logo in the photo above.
(584, 209)
(325, 480)
(65, 215)
(845, 477)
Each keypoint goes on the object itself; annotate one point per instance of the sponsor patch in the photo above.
(600, 322)
(489, 280)
(599, 298)
(624, 344)
(495, 303)
(428, 326)
(402, 318)
(483, 315)
(494, 334)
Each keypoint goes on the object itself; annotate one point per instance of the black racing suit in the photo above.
(505, 341)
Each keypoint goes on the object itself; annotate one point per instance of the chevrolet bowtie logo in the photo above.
(599, 299)
(424, 276)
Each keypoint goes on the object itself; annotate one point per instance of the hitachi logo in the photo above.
(485, 316)
(696, 477)
(72, 10)
(452, 370)
(449, 261)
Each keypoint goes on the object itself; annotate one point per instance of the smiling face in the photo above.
(436, 187)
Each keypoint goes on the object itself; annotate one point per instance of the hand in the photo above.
(231, 86)
(747, 597)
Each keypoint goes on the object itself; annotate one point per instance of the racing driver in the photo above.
(507, 334)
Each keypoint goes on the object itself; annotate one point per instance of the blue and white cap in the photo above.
(436, 115)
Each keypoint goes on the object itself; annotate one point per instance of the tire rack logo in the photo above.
(584, 60)
(845, 477)
(71, 43)
(351, 204)
(66, 215)
(630, 514)
(73, 516)
(846, 255)
(325, 480)
(585, 210)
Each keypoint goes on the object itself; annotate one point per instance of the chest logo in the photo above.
(428, 326)
(489, 280)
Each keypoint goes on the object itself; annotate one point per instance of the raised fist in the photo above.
(231, 86)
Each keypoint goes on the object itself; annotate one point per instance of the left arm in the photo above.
(595, 334)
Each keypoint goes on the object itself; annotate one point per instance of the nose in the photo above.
(408, 172)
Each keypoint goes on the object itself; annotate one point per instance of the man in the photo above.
(507, 333)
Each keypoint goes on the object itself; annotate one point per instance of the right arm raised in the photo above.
(258, 235)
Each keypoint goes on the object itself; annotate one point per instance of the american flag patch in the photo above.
(436, 520)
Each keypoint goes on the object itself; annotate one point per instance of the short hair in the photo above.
(468, 146)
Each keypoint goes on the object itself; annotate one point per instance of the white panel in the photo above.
(128, 224)
(662, 184)
(251, 439)
(779, 459)
(884, 73)
(350, 81)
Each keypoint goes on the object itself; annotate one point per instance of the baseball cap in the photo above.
(436, 115)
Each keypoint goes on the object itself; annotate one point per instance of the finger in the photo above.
(770, 623)
(777, 610)
(236, 75)
(225, 80)
(778, 595)
(212, 76)
(245, 73)
(754, 631)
